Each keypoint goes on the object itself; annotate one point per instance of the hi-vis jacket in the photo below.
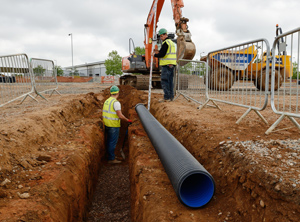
(110, 117)
(170, 57)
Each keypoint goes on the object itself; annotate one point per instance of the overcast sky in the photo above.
(41, 28)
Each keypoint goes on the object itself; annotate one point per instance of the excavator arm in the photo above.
(185, 47)
(149, 28)
(141, 63)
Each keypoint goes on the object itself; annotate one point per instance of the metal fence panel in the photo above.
(285, 77)
(45, 75)
(238, 75)
(15, 78)
(190, 80)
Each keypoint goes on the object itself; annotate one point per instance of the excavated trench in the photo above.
(59, 161)
(111, 199)
(240, 195)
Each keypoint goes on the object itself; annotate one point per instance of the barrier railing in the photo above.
(16, 81)
(237, 75)
(190, 80)
(285, 77)
(45, 76)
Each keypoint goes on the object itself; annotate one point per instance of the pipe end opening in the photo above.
(197, 190)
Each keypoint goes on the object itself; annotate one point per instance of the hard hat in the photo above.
(114, 90)
(162, 31)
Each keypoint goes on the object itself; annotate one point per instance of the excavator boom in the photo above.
(186, 49)
(141, 63)
(149, 28)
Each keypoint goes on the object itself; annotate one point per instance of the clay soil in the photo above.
(51, 154)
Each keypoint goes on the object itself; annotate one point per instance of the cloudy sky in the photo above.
(40, 28)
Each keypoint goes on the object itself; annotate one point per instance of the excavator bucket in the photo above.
(185, 50)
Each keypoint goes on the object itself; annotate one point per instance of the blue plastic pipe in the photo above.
(193, 185)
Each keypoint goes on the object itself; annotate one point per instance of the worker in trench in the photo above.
(167, 61)
(112, 116)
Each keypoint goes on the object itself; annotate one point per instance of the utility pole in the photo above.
(72, 49)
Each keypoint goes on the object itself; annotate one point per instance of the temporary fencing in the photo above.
(45, 76)
(234, 75)
(237, 75)
(16, 81)
(244, 75)
(285, 77)
(190, 80)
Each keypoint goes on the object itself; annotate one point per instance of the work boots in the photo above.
(114, 161)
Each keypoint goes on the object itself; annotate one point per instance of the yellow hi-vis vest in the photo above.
(110, 117)
(170, 57)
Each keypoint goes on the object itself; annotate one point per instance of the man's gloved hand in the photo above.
(129, 121)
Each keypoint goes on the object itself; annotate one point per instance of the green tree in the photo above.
(186, 69)
(74, 72)
(202, 69)
(39, 70)
(295, 70)
(113, 64)
(60, 71)
(139, 50)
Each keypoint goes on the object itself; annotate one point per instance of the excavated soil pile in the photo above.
(50, 158)
(49, 161)
(257, 176)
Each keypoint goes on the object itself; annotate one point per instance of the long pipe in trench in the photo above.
(194, 186)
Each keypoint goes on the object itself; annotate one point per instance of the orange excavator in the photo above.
(137, 67)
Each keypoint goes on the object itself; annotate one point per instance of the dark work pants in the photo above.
(112, 136)
(167, 84)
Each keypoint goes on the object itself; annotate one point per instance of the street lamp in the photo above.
(71, 48)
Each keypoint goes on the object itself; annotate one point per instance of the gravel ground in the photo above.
(112, 196)
(279, 158)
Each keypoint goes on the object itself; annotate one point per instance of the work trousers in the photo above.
(112, 136)
(167, 84)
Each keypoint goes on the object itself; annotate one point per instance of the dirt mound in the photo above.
(249, 167)
(43, 161)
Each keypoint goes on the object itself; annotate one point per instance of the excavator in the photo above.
(137, 67)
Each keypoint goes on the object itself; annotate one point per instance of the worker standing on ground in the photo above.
(167, 61)
(112, 116)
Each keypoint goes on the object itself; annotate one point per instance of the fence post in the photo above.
(285, 90)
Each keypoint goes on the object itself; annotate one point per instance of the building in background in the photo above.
(95, 69)
(95, 72)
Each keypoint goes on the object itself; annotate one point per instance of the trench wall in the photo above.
(54, 154)
(70, 138)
